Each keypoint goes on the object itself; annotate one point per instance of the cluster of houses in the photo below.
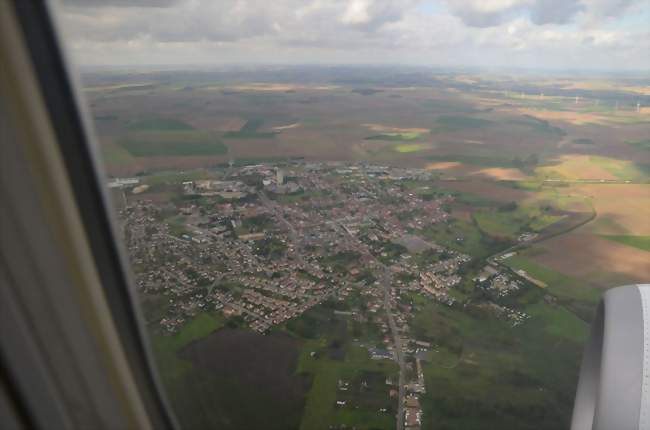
(270, 251)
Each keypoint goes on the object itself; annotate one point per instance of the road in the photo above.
(385, 278)
(386, 282)
(293, 233)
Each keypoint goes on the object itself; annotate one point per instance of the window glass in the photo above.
(371, 214)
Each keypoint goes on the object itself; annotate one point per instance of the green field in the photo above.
(252, 369)
(330, 354)
(642, 144)
(249, 131)
(172, 143)
(321, 411)
(450, 123)
(449, 106)
(537, 125)
(622, 169)
(115, 154)
(151, 124)
(582, 141)
(641, 242)
(572, 293)
(499, 224)
(463, 236)
(484, 374)
(410, 147)
(510, 223)
(395, 136)
(171, 368)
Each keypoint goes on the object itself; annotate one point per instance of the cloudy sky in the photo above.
(564, 34)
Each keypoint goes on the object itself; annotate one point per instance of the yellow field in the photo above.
(502, 174)
(411, 147)
(444, 165)
(573, 167)
(600, 261)
(381, 128)
(621, 209)
(609, 86)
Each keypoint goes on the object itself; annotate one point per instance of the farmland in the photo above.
(329, 356)
(412, 147)
(267, 362)
(250, 131)
(172, 143)
(641, 242)
(489, 365)
(321, 120)
(499, 163)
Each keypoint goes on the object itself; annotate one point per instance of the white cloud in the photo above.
(356, 12)
(552, 33)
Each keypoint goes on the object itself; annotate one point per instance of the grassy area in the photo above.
(172, 143)
(395, 136)
(449, 106)
(321, 410)
(271, 248)
(410, 147)
(511, 223)
(177, 226)
(463, 236)
(200, 326)
(559, 322)
(115, 154)
(490, 375)
(329, 354)
(582, 141)
(341, 261)
(170, 367)
(249, 131)
(448, 123)
(500, 224)
(250, 369)
(642, 144)
(152, 124)
(641, 242)
(573, 167)
(574, 294)
(255, 224)
(622, 169)
(539, 126)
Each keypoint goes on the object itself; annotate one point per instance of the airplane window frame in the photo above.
(74, 139)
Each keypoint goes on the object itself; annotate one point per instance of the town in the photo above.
(264, 243)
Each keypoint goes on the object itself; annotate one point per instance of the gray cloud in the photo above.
(486, 13)
(120, 3)
(555, 11)
(610, 8)
(233, 20)
(489, 13)
(466, 32)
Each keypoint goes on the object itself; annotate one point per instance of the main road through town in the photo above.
(385, 278)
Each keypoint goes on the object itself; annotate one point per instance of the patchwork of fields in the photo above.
(563, 184)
